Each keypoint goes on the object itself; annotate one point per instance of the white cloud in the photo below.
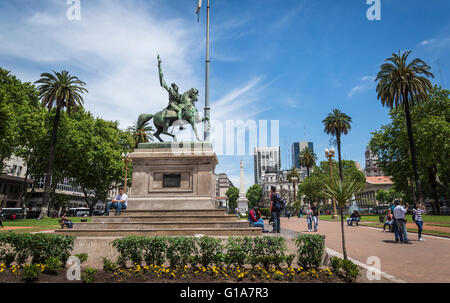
(113, 49)
(365, 83)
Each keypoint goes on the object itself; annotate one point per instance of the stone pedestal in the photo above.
(173, 176)
(242, 204)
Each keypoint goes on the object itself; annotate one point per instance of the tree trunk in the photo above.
(418, 195)
(307, 171)
(51, 160)
(338, 141)
(344, 250)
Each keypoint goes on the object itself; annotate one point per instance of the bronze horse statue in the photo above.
(164, 119)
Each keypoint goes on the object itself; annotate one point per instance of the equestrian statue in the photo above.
(181, 108)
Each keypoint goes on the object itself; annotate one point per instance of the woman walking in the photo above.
(309, 217)
(418, 210)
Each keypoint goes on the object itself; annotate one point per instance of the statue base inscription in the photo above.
(173, 176)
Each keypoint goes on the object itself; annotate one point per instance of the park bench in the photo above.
(60, 221)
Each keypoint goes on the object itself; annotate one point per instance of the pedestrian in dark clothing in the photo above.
(275, 209)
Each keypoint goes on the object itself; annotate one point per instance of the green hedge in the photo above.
(207, 251)
(310, 250)
(265, 212)
(38, 247)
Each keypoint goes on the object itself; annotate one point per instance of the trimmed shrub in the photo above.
(108, 265)
(83, 257)
(210, 251)
(310, 250)
(39, 247)
(267, 251)
(289, 259)
(52, 265)
(345, 269)
(130, 249)
(88, 276)
(31, 272)
(181, 251)
(238, 248)
(154, 249)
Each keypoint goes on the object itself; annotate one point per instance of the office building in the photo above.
(264, 158)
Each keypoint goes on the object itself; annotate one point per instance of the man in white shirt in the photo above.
(399, 215)
(119, 203)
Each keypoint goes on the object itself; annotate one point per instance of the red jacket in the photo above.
(253, 215)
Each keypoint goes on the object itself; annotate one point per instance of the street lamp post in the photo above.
(126, 160)
(330, 154)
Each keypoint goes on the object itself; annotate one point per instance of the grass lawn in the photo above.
(37, 225)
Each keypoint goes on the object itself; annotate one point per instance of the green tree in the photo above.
(307, 158)
(404, 85)
(387, 196)
(232, 195)
(254, 195)
(431, 131)
(21, 115)
(337, 124)
(95, 147)
(342, 191)
(59, 91)
(312, 187)
(141, 131)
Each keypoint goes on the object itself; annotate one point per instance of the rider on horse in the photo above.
(175, 98)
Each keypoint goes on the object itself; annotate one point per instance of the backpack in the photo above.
(279, 203)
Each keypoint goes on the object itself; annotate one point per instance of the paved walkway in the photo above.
(427, 261)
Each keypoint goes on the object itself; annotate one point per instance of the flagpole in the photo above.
(207, 108)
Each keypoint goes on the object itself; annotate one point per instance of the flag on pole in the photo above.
(197, 11)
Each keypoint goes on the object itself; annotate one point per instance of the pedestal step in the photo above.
(160, 225)
(162, 232)
(172, 212)
(167, 218)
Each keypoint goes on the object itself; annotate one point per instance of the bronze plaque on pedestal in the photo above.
(172, 181)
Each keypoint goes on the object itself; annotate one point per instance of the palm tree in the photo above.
(307, 158)
(342, 191)
(336, 124)
(401, 85)
(60, 91)
(141, 131)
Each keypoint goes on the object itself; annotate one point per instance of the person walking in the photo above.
(418, 210)
(316, 214)
(399, 215)
(309, 218)
(275, 209)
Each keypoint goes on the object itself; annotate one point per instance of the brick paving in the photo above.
(427, 261)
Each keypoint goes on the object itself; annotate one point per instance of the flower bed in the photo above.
(183, 259)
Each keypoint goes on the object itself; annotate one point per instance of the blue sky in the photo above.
(292, 61)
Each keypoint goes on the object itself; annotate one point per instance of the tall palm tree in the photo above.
(404, 85)
(307, 158)
(337, 124)
(141, 131)
(343, 191)
(60, 91)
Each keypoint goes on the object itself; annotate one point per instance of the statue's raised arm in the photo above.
(161, 76)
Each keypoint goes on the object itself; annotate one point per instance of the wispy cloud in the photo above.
(113, 49)
(365, 83)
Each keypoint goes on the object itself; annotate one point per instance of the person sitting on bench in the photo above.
(354, 217)
(66, 221)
